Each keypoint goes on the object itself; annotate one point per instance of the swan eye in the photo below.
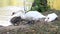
(13, 13)
(48, 18)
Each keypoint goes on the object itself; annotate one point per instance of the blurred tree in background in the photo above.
(40, 5)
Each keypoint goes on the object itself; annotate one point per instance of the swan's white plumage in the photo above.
(19, 13)
(34, 15)
(30, 15)
(51, 17)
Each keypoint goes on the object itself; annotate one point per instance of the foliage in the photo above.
(40, 5)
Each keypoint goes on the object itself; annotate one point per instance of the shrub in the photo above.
(40, 5)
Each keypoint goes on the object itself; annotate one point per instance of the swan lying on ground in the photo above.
(51, 17)
(16, 17)
(31, 15)
(34, 15)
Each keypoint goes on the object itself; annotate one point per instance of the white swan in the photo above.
(35, 15)
(19, 13)
(51, 17)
